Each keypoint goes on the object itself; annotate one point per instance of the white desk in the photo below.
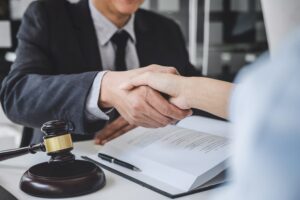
(116, 186)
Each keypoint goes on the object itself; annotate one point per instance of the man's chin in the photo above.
(127, 11)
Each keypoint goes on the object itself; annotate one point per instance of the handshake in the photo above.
(136, 95)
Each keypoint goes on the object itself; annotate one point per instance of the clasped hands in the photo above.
(136, 95)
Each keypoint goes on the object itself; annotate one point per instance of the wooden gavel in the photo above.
(57, 143)
(63, 175)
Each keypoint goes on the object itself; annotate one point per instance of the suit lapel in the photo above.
(88, 42)
(86, 35)
(144, 40)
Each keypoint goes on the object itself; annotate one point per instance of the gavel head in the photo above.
(58, 141)
(63, 176)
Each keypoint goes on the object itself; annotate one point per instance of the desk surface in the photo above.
(116, 186)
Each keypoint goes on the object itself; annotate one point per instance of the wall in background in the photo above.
(237, 35)
(237, 32)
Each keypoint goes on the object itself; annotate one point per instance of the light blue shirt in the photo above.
(265, 112)
(105, 29)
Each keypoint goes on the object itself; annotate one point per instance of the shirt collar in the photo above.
(106, 28)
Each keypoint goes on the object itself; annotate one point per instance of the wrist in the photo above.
(104, 100)
(187, 91)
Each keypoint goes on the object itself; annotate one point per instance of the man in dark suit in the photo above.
(67, 56)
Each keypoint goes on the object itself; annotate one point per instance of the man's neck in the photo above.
(118, 19)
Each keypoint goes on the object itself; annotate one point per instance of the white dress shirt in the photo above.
(105, 29)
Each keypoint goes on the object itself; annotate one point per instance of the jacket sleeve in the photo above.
(189, 69)
(33, 93)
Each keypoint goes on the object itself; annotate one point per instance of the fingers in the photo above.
(159, 119)
(118, 133)
(117, 124)
(160, 69)
(110, 129)
(165, 108)
(166, 83)
(149, 69)
(139, 111)
(146, 116)
(180, 102)
(145, 107)
(137, 81)
(152, 68)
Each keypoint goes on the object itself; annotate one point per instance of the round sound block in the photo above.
(62, 179)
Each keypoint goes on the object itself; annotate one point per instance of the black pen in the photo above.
(118, 162)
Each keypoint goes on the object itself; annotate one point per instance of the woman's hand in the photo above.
(203, 93)
(173, 85)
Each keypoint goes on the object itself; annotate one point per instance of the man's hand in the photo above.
(113, 130)
(141, 106)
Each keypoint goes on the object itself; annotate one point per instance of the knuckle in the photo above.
(148, 126)
(149, 91)
(180, 115)
(162, 123)
(165, 121)
(166, 111)
(175, 113)
(168, 121)
(157, 126)
(184, 113)
(140, 90)
(130, 121)
(144, 92)
(143, 88)
(152, 67)
(136, 106)
(172, 70)
(135, 117)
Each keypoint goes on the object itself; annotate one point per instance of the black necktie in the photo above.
(120, 39)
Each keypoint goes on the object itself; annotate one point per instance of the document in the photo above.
(172, 158)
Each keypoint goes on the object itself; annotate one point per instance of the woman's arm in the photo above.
(205, 94)
(208, 94)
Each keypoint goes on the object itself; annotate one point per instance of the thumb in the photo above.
(179, 102)
(127, 86)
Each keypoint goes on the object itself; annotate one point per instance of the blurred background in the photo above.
(222, 36)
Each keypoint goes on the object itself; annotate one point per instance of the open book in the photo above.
(172, 160)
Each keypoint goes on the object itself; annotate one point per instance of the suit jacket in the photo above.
(58, 58)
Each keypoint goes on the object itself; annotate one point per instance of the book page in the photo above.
(206, 125)
(170, 153)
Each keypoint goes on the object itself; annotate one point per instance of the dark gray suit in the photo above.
(58, 58)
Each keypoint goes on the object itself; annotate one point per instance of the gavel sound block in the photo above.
(63, 175)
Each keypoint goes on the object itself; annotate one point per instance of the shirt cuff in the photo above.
(93, 112)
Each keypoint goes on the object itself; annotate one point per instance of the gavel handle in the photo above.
(11, 153)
